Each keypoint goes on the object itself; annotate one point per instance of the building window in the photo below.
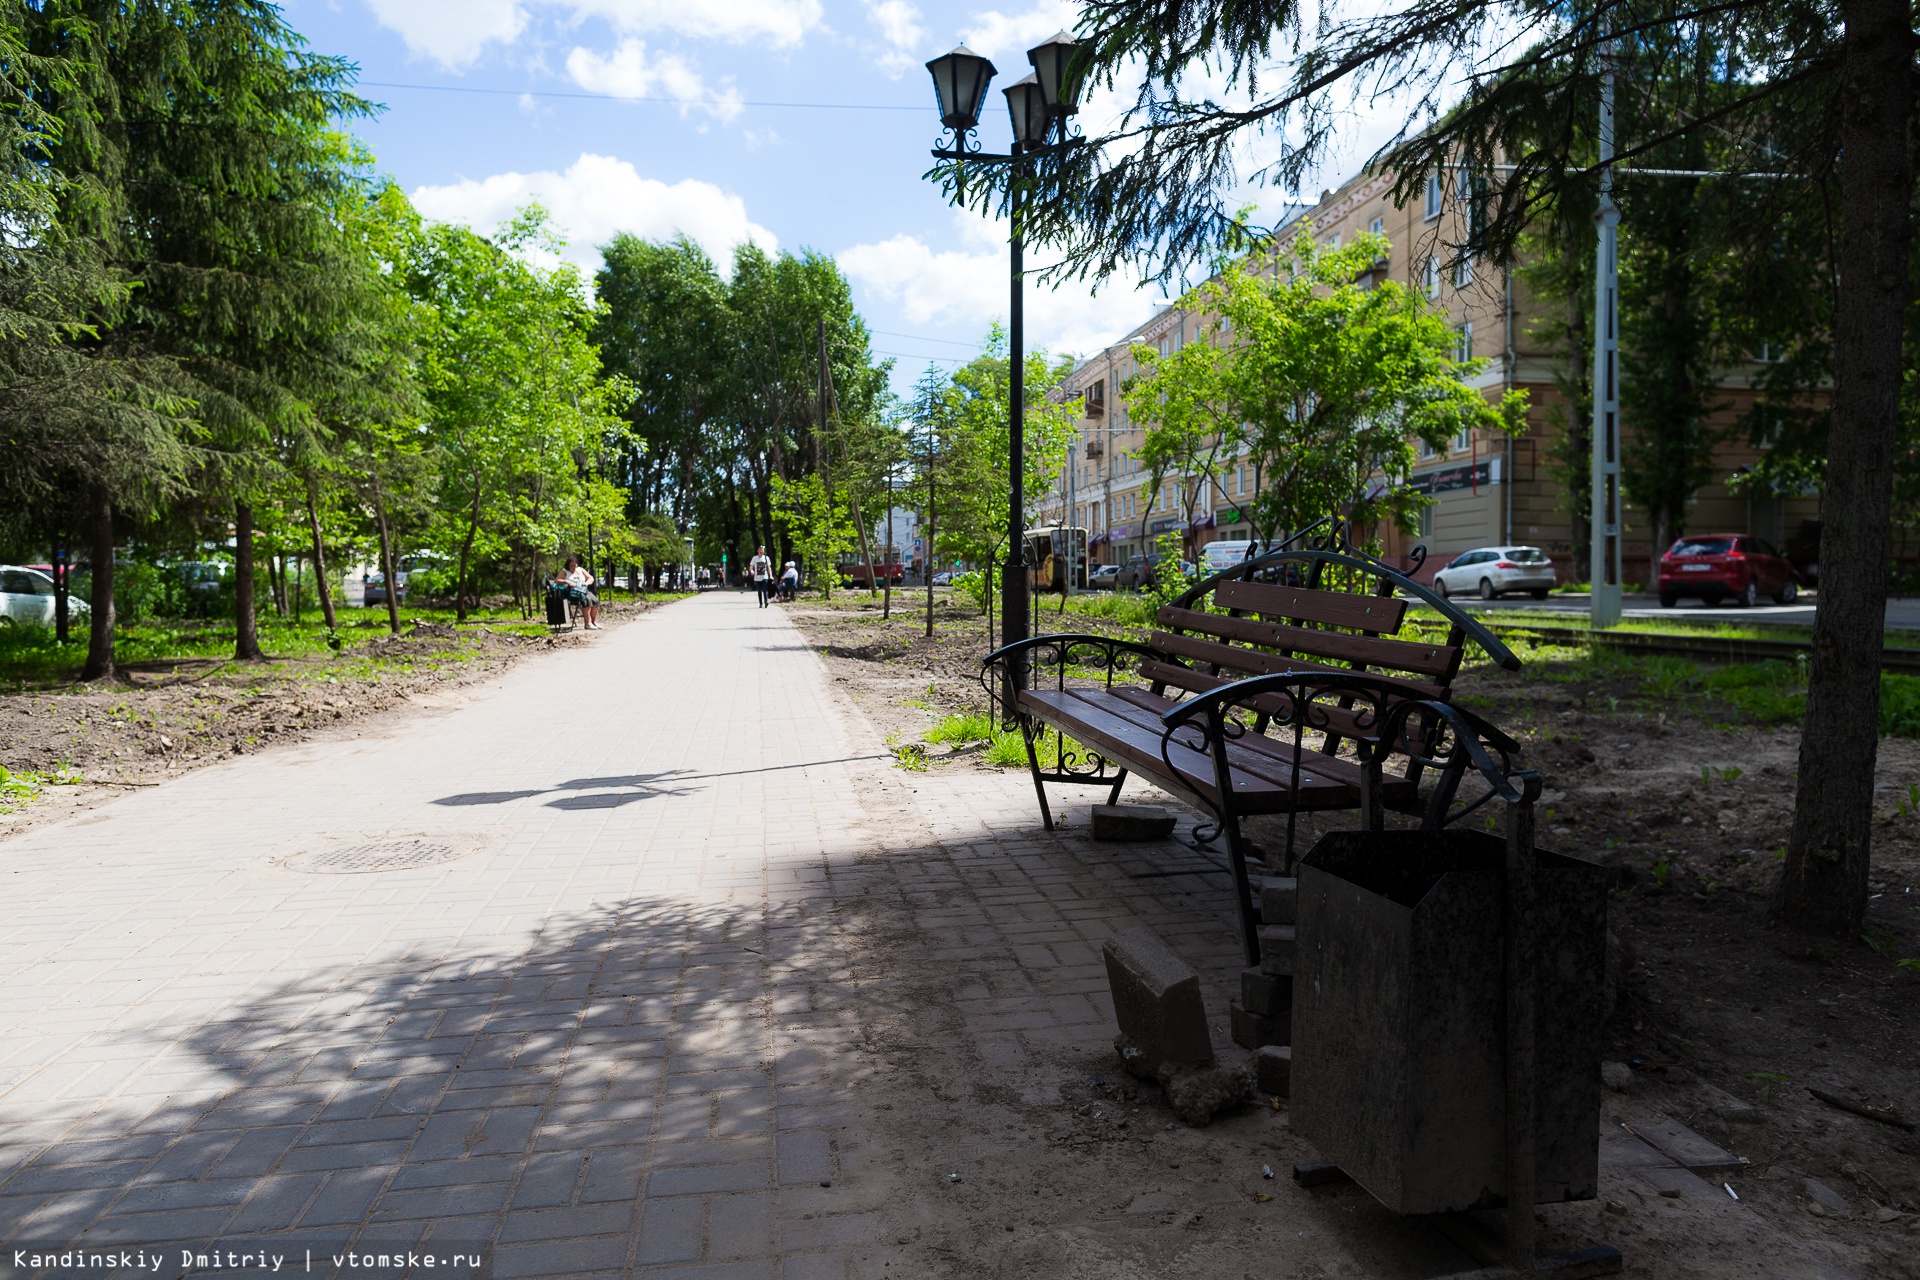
(1425, 449)
(1463, 441)
(1463, 350)
(1462, 271)
(1378, 226)
(1432, 281)
(1433, 196)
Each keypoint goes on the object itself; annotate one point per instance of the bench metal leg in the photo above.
(1113, 796)
(1237, 851)
(1033, 764)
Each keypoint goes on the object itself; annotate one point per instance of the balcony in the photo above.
(1096, 448)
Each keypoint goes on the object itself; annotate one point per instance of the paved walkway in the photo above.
(623, 1021)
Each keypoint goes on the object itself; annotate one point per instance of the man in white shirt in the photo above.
(581, 582)
(761, 568)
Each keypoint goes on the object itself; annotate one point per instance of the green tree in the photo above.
(514, 396)
(818, 522)
(1333, 382)
(1185, 401)
(969, 409)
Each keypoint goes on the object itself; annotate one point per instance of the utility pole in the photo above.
(1604, 517)
(886, 553)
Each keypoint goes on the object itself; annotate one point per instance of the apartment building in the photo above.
(1488, 489)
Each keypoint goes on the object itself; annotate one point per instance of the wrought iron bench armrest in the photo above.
(1007, 667)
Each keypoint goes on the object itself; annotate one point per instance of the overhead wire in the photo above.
(708, 101)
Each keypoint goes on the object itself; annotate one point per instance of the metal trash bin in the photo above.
(1399, 1017)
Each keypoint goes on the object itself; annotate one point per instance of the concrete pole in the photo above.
(1604, 551)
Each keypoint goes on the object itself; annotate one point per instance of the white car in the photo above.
(1491, 572)
(26, 596)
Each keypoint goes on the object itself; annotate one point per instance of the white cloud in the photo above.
(629, 72)
(455, 32)
(778, 22)
(451, 32)
(967, 287)
(1008, 36)
(597, 197)
(899, 24)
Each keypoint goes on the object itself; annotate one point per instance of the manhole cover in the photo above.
(375, 855)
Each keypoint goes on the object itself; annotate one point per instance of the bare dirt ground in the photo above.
(161, 719)
(1725, 1022)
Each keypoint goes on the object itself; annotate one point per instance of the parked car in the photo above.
(1139, 574)
(944, 578)
(1725, 566)
(374, 589)
(1104, 577)
(1491, 572)
(26, 596)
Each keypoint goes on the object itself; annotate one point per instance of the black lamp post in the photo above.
(1038, 107)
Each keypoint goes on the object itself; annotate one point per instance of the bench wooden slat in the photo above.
(1260, 662)
(1344, 723)
(1329, 608)
(1400, 655)
(1131, 744)
(1318, 787)
(1327, 782)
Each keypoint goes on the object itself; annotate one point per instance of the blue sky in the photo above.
(711, 159)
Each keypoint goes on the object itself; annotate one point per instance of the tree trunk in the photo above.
(320, 562)
(246, 635)
(1824, 886)
(466, 550)
(100, 535)
(386, 560)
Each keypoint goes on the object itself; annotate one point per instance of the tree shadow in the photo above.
(662, 1080)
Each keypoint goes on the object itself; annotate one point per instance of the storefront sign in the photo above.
(1161, 526)
(1450, 479)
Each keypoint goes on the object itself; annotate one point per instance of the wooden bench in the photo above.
(1254, 697)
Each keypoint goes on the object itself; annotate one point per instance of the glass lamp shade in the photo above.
(1059, 78)
(1028, 107)
(960, 80)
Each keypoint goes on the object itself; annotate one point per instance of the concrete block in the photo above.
(1131, 822)
(1156, 1000)
(1273, 1069)
(1267, 994)
(1276, 949)
(1252, 1030)
(1279, 896)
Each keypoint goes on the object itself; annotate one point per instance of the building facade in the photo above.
(1487, 489)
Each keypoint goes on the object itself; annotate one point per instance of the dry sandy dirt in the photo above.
(1723, 1023)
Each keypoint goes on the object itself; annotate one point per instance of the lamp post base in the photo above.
(1014, 627)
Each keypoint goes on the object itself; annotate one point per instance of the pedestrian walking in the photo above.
(762, 570)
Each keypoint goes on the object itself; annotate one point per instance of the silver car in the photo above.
(26, 596)
(1491, 572)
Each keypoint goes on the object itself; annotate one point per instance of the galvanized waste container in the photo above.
(1399, 1017)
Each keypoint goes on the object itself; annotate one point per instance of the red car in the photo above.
(1725, 566)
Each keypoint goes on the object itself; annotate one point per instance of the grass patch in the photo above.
(1125, 607)
(1004, 746)
(16, 789)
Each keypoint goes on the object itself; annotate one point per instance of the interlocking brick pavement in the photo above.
(622, 1035)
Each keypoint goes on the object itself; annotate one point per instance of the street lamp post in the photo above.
(1038, 107)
